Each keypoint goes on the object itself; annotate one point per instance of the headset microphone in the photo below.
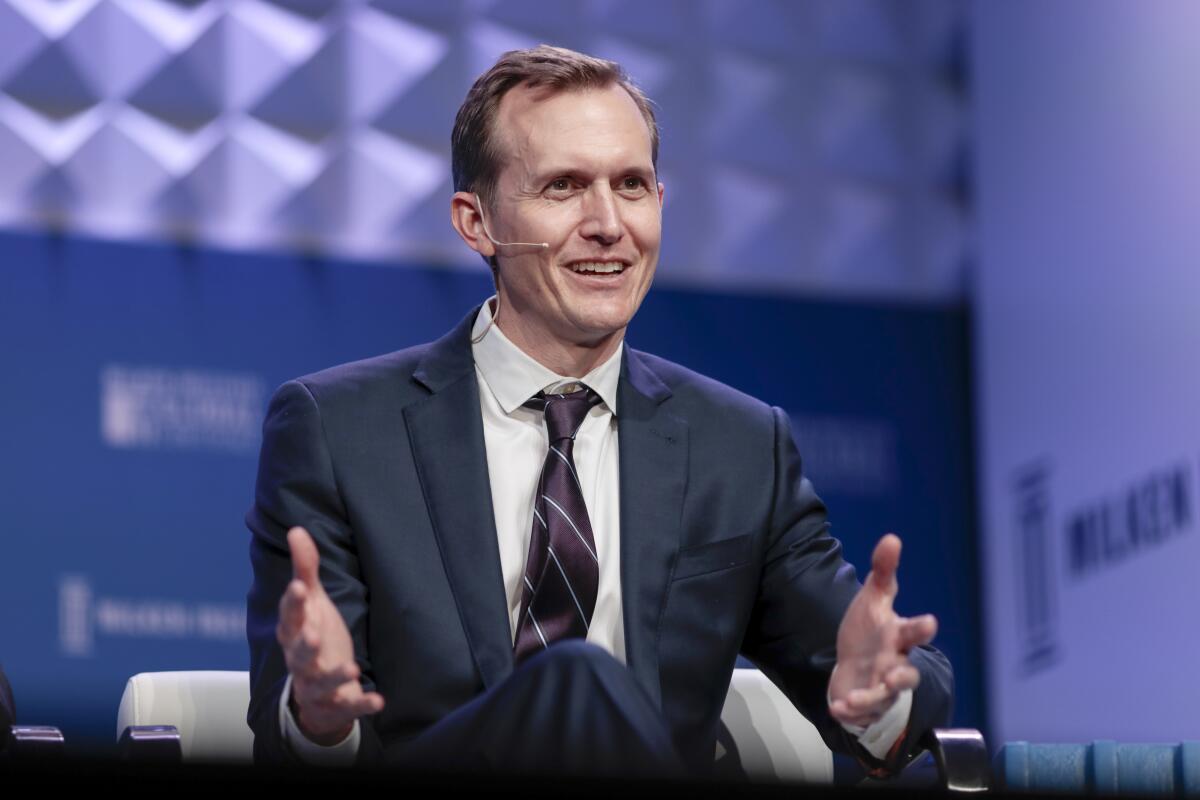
(483, 224)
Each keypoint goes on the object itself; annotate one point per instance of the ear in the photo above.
(464, 216)
(662, 190)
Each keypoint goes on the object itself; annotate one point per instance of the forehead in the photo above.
(589, 128)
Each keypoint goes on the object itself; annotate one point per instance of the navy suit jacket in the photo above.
(724, 546)
(8, 713)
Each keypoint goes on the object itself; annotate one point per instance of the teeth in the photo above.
(598, 266)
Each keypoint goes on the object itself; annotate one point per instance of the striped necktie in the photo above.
(562, 571)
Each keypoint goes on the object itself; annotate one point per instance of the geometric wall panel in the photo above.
(810, 146)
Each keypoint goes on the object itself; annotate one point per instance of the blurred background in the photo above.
(959, 242)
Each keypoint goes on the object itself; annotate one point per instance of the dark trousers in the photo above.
(571, 710)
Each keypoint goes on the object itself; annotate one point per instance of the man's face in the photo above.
(577, 174)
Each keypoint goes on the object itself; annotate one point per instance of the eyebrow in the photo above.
(544, 175)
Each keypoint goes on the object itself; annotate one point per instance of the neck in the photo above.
(569, 359)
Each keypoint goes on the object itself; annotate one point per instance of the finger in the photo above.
(884, 562)
(317, 685)
(292, 612)
(863, 700)
(372, 702)
(870, 702)
(361, 703)
(901, 677)
(341, 710)
(916, 631)
(306, 561)
(840, 711)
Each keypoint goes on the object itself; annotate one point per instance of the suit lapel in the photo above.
(446, 433)
(653, 463)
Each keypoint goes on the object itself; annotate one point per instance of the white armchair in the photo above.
(774, 741)
(208, 708)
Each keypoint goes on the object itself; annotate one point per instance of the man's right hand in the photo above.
(326, 695)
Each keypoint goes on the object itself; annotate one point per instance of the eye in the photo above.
(559, 185)
(632, 183)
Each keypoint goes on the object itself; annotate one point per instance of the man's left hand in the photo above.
(873, 643)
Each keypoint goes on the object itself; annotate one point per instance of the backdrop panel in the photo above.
(1089, 185)
(136, 376)
(807, 144)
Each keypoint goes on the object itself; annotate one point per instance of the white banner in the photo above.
(1088, 322)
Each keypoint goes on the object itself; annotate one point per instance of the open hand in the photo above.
(873, 643)
(326, 694)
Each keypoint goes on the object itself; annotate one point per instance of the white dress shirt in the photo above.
(516, 443)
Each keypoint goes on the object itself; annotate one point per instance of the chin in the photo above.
(608, 316)
(591, 330)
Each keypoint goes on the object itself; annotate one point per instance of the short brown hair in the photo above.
(475, 156)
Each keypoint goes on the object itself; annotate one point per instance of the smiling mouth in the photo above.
(597, 267)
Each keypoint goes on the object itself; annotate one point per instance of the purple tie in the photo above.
(562, 571)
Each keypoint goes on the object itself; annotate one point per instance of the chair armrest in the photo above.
(157, 743)
(33, 741)
(962, 759)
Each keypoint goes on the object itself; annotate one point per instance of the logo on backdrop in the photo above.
(847, 454)
(160, 408)
(1151, 511)
(1037, 596)
(84, 617)
(1148, 513)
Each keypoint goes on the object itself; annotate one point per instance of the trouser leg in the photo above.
(571, 710)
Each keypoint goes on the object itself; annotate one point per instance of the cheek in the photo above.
(554, 224)
(647, 228)
(526, 279)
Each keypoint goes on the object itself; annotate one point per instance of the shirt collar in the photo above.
(514, 377)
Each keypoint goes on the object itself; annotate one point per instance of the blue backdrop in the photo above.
(135, 378)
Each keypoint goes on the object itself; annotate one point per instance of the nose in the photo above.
(601, 215)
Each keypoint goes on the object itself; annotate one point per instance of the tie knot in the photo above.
(564, 412)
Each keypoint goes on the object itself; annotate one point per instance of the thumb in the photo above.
(305, 560)
(884, 563)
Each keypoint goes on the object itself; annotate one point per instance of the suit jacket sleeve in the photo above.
(297, 485)
(8, 712)
(804, 591)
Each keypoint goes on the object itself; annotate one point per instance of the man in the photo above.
(438, 521)
(8, 713)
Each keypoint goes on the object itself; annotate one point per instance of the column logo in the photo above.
(1034, 568)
